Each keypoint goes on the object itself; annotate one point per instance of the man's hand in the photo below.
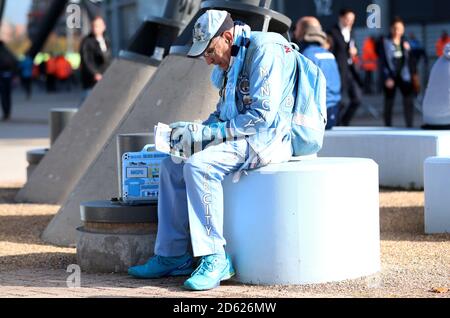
(98, 77)
(407, 46)
(389, 83)
(177, 131)
(353, 51)
(184, 135)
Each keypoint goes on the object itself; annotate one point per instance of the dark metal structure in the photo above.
(2, 9)
(255, 13)
(93, 10)
(156, 34)
(47, 25)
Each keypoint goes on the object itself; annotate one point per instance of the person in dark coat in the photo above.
(399, 71)
(95, 54)
(8, 67)
(344, 48)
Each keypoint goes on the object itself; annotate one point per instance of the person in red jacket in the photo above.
(63, 71)
(369, 63)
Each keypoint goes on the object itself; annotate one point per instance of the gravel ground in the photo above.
(20, 229)
(413, 264)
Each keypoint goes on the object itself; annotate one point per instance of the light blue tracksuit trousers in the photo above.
(190, 204)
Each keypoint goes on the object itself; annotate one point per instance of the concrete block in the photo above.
(112, 253)
(34, 157)
(400, 154)
(85, 136)
(59, 119)
(115, 236)
(363, 128)
(179, 90)
(304, 222)
(437, 195)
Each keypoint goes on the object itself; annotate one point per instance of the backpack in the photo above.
(309, 113)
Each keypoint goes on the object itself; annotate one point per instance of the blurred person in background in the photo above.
(95, 55)
(50, 74)
(42, 74)
(312, 41)
(369, 64)
(8, 68)
(417, 49)
(26, 75)
(420, 58)
(63, 72)
(398, 71)
(344, 49)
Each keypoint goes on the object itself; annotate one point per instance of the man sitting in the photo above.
(256, 75)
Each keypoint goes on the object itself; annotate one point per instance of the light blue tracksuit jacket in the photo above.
(265, 96)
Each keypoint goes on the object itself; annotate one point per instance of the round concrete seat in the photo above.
(304, 222)
(437, 200)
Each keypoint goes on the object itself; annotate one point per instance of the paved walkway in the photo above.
(413, 265)
(28, 129)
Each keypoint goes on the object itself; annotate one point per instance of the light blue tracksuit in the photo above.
(190, 204)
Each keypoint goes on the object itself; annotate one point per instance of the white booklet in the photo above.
(163, 143)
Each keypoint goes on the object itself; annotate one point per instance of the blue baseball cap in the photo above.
(211, 24)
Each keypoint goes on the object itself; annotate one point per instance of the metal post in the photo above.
(47, 25)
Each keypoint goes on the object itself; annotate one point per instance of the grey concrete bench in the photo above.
(437, 195)
(400, 153)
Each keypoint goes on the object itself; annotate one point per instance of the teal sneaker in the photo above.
(159, 266)
(212, 270)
